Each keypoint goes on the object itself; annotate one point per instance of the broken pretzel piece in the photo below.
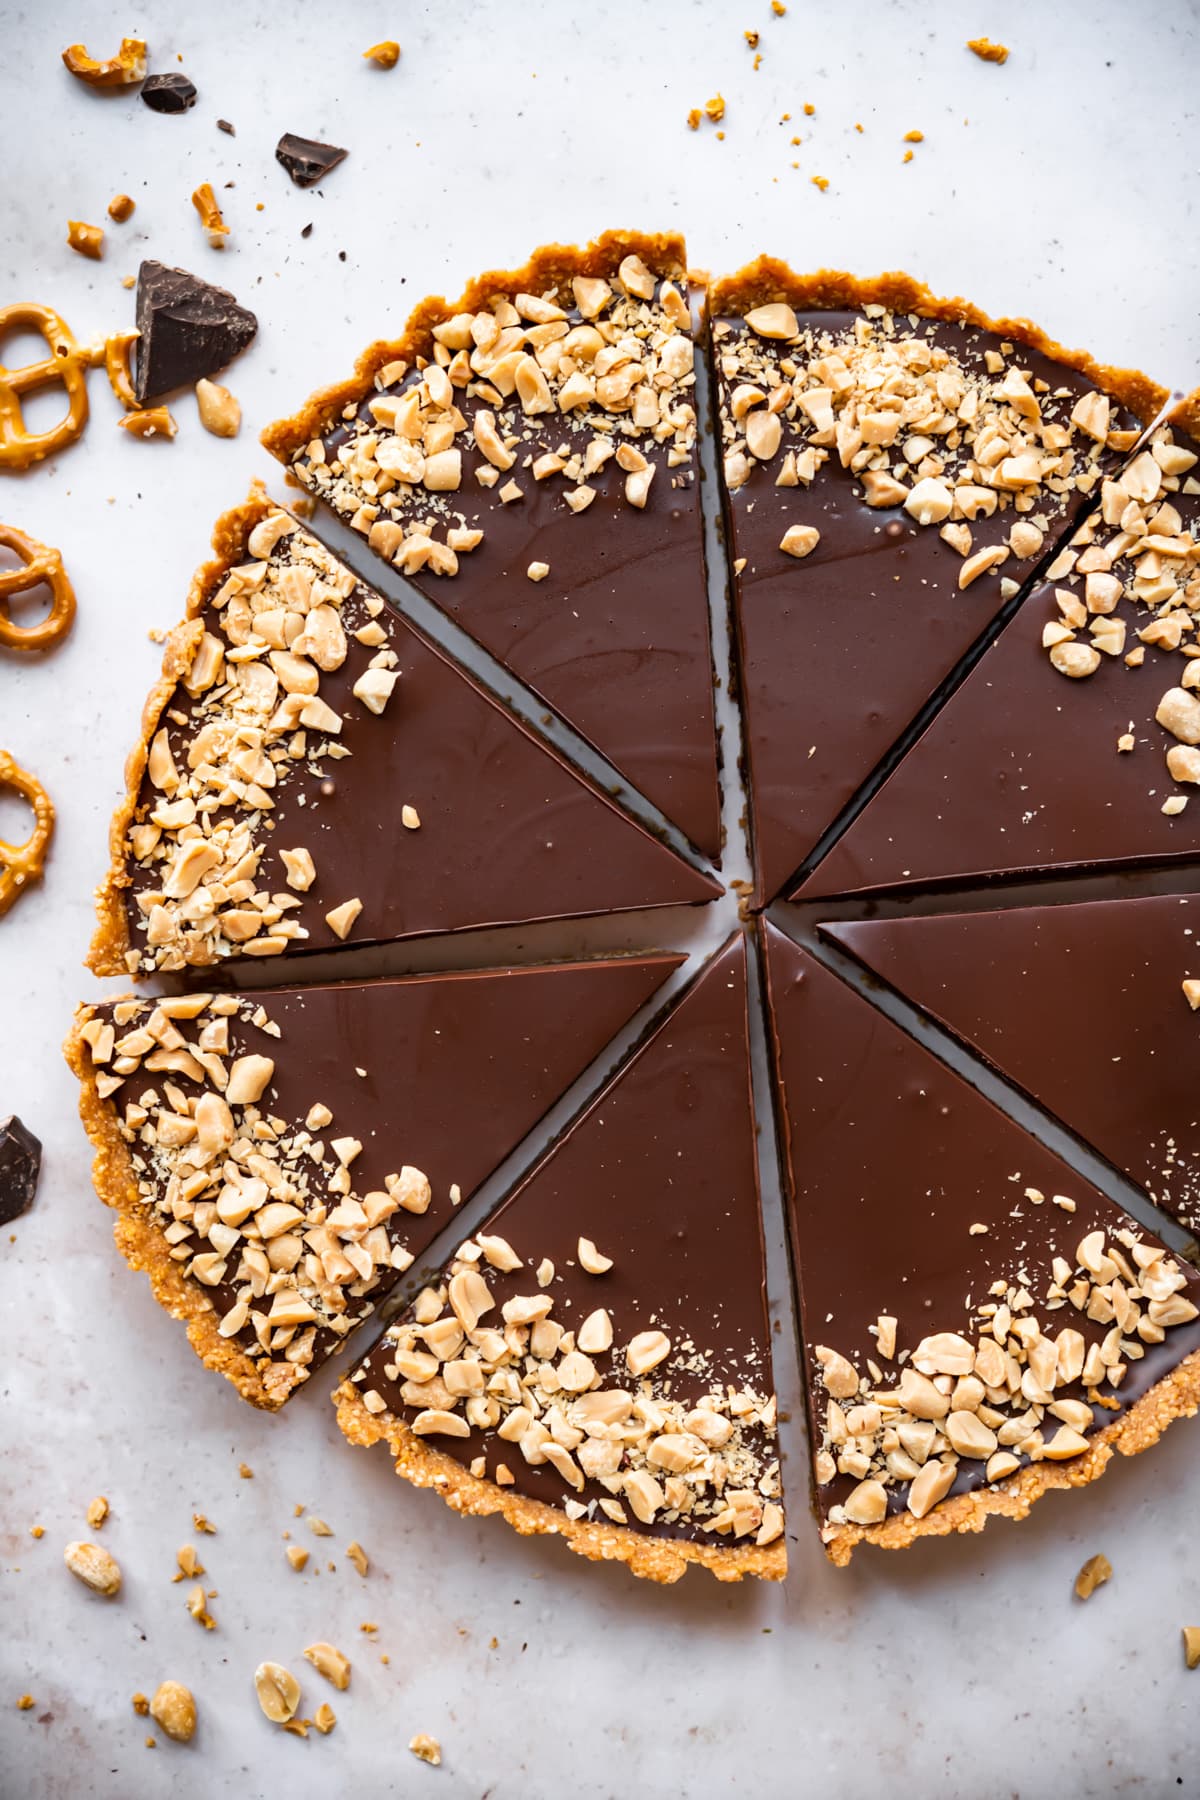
(124, 69)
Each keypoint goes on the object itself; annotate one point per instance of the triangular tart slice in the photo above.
(528, 457)
(312, 771)
(895, 467)
(1074, 742)
(595, 1363)
(278, 1160)
(1089, 1008)
(979, 1324)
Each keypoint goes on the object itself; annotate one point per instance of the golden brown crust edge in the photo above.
(826, 290)
(142, 1244)
(654, 1559)
(1185, 414)
(549, 267)
(110, 941)
(1176, 1396)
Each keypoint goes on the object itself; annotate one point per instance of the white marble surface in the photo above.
(1063, 185)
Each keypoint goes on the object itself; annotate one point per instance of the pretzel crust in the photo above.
(1185, 414)
(111, 941)
(1175, 1396)
(829, 290)
(551, 267)
(654, 1559)
(142, 1243)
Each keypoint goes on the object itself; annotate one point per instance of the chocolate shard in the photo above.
(20, 1166)
(168, 93)
(305, 160)
(189, 329)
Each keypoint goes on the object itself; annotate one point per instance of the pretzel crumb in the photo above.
(148, 422)
(88, 240)
(121, 207)
(385, 55)
(986, 51)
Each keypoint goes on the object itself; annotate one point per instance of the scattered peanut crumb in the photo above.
(201, 1523)
(1191, 1645)
(751, 38)
(26, 1701)
(174, 1710)
(907, 157)
(426, 1749)
(694, 118)
(820, 181)
(141, 1705)
(358, 1556)
(319, 1528)
(246, 1472)
(809, 109)
(1094, 1573)
(199, 1611)
(384, 55)
(913, 137)
(410, 818)
(324, 1718)
(220, 413)
(778, 8)
(37, 1531)
(297, 1555)
(190, 1565)
(129, 281)
(986, 51)
(715, 108)
(97, 1511)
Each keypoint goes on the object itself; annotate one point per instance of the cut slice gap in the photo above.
(912, 1199)
(1083, 1006)
(589, 579)
(844, 635)
(402, 813)
(1026, 770)
(385, 1106)
(659, 1176)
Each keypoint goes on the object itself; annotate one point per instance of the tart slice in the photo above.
(596, 1362)
(311, 771)
(1090, 1008)
(896, 468)
(979, 1324)
(278, 1160)
(1073, 743)
(528, 458)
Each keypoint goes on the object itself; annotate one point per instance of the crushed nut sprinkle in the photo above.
(94, 1567)
(952, 439)
(1094, 1573)
(550, 387)
(256, 1209)
(1132, 571)
(248, 718)
(1002, 1394)
(605, 1413)
(426, 1749)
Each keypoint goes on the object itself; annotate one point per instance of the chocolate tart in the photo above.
(527, 456)
(1072, 742)
(311, 770)
(979, 1324)
(1089, 1008)
(639, 1237)
(278, 1160)
(897, 467)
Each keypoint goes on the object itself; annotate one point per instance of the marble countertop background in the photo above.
(1063, 185)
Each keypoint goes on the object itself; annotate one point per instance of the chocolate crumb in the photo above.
(225, 126)
(20, 1167)
(306, 160)
(168, 93)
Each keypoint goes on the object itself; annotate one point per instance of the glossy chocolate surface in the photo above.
(616, 637)
(1020, 770)
(1083, 1007)
(839, 652)
(892, 1158)
(508, 833)
(660, 1172)
(446, 1073)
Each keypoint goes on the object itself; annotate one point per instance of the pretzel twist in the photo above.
(67, 363)
(22, 863)
(41, 563)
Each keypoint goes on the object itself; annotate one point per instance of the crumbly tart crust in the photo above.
(551, 267)
(655, 1559)
(1176, 1396)
(141, 1241)
(767, 280)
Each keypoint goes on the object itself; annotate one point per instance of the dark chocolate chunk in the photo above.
(225, 126)
(307, 231)
(20, 1166)
(306, 161)
(189, 329)
(168, 93)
